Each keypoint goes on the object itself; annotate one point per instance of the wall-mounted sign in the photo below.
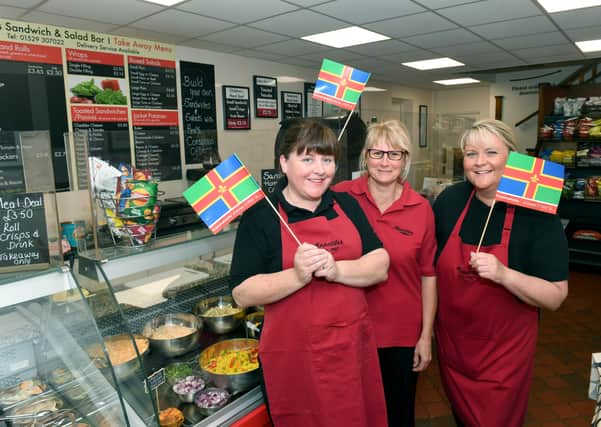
(236, 107)
(199, 114)
(266, 96)
(292, 105)
(313, 107)
(269, 178)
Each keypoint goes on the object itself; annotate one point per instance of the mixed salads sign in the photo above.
(120, 91)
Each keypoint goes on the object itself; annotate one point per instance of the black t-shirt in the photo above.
(258, 246)
(537, 243)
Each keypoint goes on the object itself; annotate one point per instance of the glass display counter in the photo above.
(133, 287)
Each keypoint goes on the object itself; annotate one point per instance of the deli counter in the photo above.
(67, 339)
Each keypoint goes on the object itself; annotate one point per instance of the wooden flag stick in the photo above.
(345, 123)
(282, 220)
(485, 226)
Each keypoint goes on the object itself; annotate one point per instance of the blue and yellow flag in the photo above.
(531, 182)
(223, 193)
(340, 84)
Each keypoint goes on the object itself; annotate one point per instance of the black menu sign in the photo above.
(292, 105)
(199, 114)
(156, 143)
(24, 239)
(236, 107)
(269, 178)
(11, 163)
(266, 96)
(152, 83)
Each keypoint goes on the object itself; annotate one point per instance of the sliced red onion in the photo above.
(211, 398)
(190, 384)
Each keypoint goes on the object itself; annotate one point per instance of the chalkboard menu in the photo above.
(23, 236)
(11, 163)
(236, 107)
(266, 97)
(199, 114)
(269, 178)
(292, 105)
(152, 83)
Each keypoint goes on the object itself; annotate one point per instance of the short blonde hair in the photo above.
(488, 127)
(395, 134)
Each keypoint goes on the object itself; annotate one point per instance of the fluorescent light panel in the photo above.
(373, 89)
(589, 45)
(345, 37)
(165, 2)
(463, 81)
(553, 6)
(432, 64)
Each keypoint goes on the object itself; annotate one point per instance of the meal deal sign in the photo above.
(89, 82)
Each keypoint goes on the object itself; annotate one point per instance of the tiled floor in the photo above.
(566, 340)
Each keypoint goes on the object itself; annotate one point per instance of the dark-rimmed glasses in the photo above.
(392, 155)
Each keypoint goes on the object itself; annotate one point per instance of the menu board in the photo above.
(23, 236)
(292, 105)
(156, 143)
(199, 113)
(11, 163)
(236, 107)
(32, 97)
(266, 96)
(269, 179)
(152, 83)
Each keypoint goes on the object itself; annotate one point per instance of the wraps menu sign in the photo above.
(23, 236)
(292, 105)
(266, 96)
(199, 113)
(236, 107)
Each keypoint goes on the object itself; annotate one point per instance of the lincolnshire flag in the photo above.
(531, 182)
(223, 193)
(339, 84)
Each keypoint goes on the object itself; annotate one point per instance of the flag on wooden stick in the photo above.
(340, 84)
(531, 182)
(225, 192)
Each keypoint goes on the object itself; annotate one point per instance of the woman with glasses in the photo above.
(487, 319)
(317, 348)
(402, 308)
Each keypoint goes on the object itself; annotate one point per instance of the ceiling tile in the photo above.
(20, 3)
(207, 45)
(240, 11)
(578, 18)
(338, 55)
(467, 49)
(302, 62)
(11, 12)
(496, 59)
(533, 40)
(307, 3)
(439, 4)
(555, 53)
(181, 23)
(515, 27)
(371, 65)
(148, 35)
(443, 38)
(293, 47)
(490, 11)
(65, 21)
(300, 23)
(244, 37)
(405, 26)
(355, 11)
(412, 55)
(253, 53)
(382, 48)
(586, 33)
(113, 11)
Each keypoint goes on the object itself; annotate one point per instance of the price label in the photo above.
(155, 380)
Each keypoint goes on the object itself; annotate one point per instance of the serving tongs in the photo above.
(61, 417)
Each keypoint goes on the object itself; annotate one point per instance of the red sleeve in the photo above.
(428, 247)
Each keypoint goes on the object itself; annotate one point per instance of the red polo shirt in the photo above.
(407, 231)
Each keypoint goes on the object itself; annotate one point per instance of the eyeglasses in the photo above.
(392, 155)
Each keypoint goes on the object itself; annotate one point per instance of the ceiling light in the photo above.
(431, 64)
(373, 89)
(552, 6)
(345, 37)
(165, 2)
(589, 45)
(463, 81)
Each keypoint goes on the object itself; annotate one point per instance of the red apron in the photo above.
(486, 336)
(317, 347)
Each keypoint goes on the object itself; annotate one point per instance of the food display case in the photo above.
(160, 294)
(46, 376)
